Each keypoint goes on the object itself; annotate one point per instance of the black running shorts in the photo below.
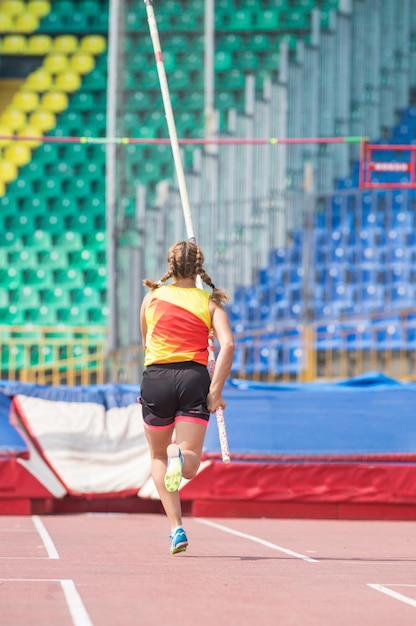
(174, 392)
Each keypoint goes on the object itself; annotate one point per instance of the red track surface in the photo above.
(117, 571)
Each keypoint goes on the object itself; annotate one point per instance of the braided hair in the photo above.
(185, 260)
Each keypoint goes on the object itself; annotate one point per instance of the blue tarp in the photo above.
(367, 415)
(11, 442)
(371, 414)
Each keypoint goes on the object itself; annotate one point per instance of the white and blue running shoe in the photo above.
(173, 474)
(179, 540)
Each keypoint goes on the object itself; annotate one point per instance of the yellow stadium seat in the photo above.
(8, 171)
(25, 100)
(68, 81)
(42, 119)
(55, 62)
(7, 131)
(30, 131)
(55, 101)
(66, 44)
(18, 154)
(6, 23)
(13, 7)
(39, 7)
(13, 44)
(94, 44)
(13, 118)
(26, 23)
(2, 188)
(82, 63)
(40, 80)
(39, 44)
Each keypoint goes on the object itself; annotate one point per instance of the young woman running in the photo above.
(177, 395)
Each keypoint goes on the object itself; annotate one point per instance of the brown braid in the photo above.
(185, 260)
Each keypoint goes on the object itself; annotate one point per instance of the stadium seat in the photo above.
(65, 44)
(13, 7)
(81, 101)
(30, 131)
(26, 23)
(8, 171)
(56, 62)
(13, 44)
(42, 119)
(39, 7)
(6, 24)
(25, 100)
(52, 23)
(82, 63)
(13, 118)
(93, 44)
(40, 81)
(18, 154)
(55, 101)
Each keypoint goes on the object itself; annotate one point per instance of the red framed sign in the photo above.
(387, 166)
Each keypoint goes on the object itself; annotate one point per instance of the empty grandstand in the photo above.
(320, 267)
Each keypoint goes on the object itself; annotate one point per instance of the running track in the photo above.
(116, 570)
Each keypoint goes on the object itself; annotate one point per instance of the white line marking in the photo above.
(268, 544)
(77, 609)
(394, 594)
(44, 535)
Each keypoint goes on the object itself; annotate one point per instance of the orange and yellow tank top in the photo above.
(178, 324)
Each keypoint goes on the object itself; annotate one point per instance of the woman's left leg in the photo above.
(189, 436)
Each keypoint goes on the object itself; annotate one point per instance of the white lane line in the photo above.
(44, 535)
(77, 609)
(394, 594)
(263, 542)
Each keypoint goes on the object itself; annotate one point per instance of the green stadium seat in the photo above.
(74, 316)
(296, 20)
(76, 22)
(52, 23)
(23, 259)
(89, 7)
(96, 80)
(69, 240)
(53, 259)
(56, 297)
(82, 259)
(241, 19)
(42, 316)
(224, 100)
(26, 297)
(98, 315)
(134, 22)
(10, 277)
(86, 297)
(223, 60)
(232, 42)
(96, 278)
(271, 61)
(269, 19)
(82, 101)
(70, 278)
(40, 277)
(20, 223)
(246, 59)
(4, 298)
